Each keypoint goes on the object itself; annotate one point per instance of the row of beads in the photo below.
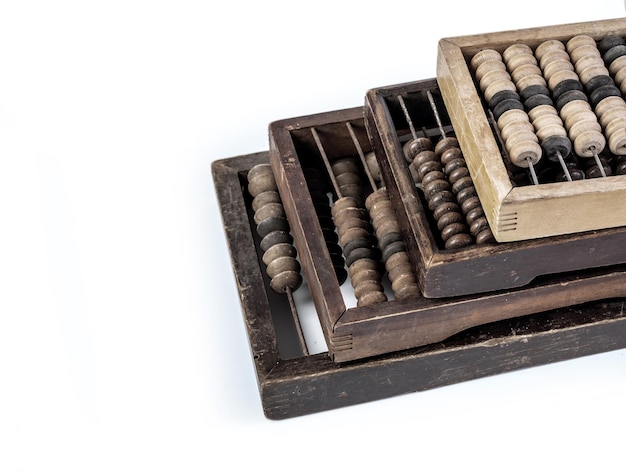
(500, 93)
(279, 254)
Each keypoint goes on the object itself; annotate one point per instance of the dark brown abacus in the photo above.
(293, 383)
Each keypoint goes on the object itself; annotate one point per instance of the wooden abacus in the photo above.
(388, 198)
(566, 73)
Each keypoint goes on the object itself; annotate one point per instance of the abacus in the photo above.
(540, 109)
(375, 215)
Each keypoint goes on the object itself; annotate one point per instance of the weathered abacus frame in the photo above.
(355, 333)
(306, 384)
(539, 211)
(476, 268)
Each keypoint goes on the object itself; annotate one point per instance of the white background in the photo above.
(122, 346)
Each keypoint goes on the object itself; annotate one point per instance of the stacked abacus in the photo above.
(559, 100)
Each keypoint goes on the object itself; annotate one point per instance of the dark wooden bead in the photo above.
(272, 224)
(392, 248)
(566, 85)
(613, 53)
(275, 238)
(533, 90)
(610, 41)
(554, 144)
(570, 96)
(598, 81)
(603, 92)
(502, 95)
(505, 106)
(536, 100)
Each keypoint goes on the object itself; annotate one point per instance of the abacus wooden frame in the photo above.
(539, 211)
(307, 384)
(357, 333)
(475, 268)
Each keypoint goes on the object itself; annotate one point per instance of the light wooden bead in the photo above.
(485, 55)
(488, 66)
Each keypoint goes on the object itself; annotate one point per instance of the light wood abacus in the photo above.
(569, 90)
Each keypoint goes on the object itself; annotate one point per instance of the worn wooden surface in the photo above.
(476, 268)
(294, 384)
(545, 210)
(354, 333)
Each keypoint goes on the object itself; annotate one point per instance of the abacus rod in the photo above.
(433, 106)
(533, 175)
(359, 150)
(598, 162)
(296, 320)
(407, 115)
(329, 168)
(563, 165)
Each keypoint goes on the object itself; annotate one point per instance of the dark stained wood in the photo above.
(299, 384)
(476, 268)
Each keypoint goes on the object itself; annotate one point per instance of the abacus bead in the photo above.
(614, 53)
(617, 64)
(562, 76)
(537, 100)
(588, 142)
(609, 41)
(516, 50)
(372, 297)
(483, 56)
(414, 147)
(273, 224)
(284, 280)
(506, 105)
(264, 198)
(269, 210)
(548, 45)
(390, 249)
(261, 183)
(603, 92)
(448, 219)
(503, 84)
(589, 73)
(444, 207)
(555, 144)
(502, 95)
(617, 142)
(275, 238)
(598, 81)
(277, 251)
(488, 66)
(568, 97)
(493, 76)
(445, 144)
(460, 240)
(282, 264)
(532, 90)
(584, 52)
(524, 152)
(565, 85)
